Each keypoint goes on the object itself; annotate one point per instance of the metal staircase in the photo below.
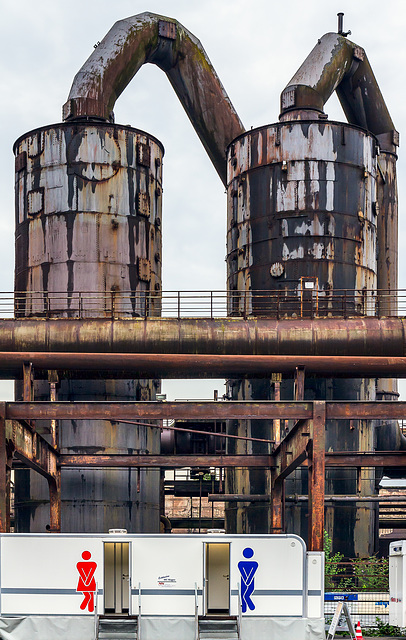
(115, 628)
(217, 628)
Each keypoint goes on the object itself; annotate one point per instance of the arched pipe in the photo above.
(148, 37)
(337, 64)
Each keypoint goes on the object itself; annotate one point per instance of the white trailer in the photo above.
(397, 583)
(59, 584)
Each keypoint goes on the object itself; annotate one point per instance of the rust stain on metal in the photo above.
(165, 42)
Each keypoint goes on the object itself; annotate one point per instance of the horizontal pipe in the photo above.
(235, 497)
(227, 497)
(214, 434)
(354, 336)
(151, 365)
(207, 410)
(335, 498)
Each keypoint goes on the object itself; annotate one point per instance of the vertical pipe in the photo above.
(27, 382)
(4, 515)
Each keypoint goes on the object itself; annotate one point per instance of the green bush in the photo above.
(384, 629)
(359, 574)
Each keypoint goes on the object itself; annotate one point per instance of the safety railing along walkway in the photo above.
(300, 303)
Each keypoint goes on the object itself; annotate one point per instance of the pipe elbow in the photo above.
(152, 38)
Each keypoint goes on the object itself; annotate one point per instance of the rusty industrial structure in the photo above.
(307, 333)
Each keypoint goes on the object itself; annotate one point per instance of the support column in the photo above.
(55, 503)
(4, 512)
(316, 465)
(299, 383)
(28, 375)
(278, 506)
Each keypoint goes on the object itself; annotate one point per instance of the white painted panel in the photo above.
(39, 574)
(167, 568)
(279, 576)
(315, 584)
(397, 583)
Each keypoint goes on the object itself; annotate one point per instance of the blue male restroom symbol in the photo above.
(247, 569)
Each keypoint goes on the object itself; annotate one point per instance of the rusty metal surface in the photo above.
(317, 477)
(89, 236)
(164, 462)
(332, 459)
(80, 410)
(147, 365)
(261, 336)
(302, 217)
(20, 442)
(337, 64)
(253, 410)
(31, 448)
(148, 37)
(96, 227)
(366, 459)
(285, 189)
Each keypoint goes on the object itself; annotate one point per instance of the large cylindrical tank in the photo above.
(302, 229)
(88, 244)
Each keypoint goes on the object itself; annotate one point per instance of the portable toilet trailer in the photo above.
(160, 586)
(397, 579)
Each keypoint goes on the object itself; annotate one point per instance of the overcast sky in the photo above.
(255, 48)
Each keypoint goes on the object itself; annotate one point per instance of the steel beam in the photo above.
(278, 504)
(197, 523)
(32, 449)
(165, 462)
(157, 410)
(316, 477)
(293, 449)
(207, 410)
(366, 459)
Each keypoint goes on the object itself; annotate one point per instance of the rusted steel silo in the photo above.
(305, 207)
(88, 244)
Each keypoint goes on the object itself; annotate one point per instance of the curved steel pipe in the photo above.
(148, 37)
(367, 336)
(337, 64)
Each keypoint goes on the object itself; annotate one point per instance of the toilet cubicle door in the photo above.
(117, 578)
(217, 578)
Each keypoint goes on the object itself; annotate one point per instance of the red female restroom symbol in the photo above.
(87, 583)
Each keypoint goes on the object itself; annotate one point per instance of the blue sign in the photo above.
(328, 597)
(247, 570)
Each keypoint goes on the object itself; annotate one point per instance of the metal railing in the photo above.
(196, 614)
(300, 303)
(139, 613)
(96, 616)
(370, 608)
(239, 617)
